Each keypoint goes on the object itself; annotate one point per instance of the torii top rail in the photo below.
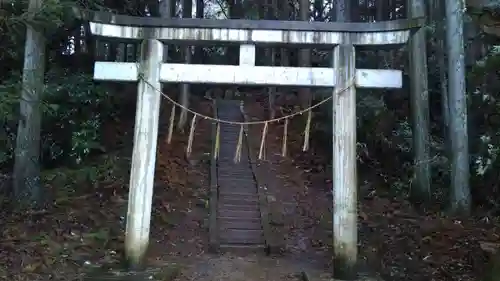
(150, 72)
(251, 31)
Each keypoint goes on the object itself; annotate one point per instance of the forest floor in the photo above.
(82, 231)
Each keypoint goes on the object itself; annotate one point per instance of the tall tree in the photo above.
(343, 10)
(437, 16)
(235, 12)
(166, 11)
(285, 15)
(272, 14)
(200, 12)
(187, 12)
(381, 9)
(305, 54)
(460, 193)
(27, 185)
(419, 92)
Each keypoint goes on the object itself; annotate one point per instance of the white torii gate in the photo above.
(342, 37)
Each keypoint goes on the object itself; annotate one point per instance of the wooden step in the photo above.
(238, 207)
(241, 236)
(228, 191)
(235, 179)
(241, 249)
(238, 223)
(238, 180)
(255, 214)
(229, 158)
(238, 186)
(246, 200)
(229, 198)
(242, 174)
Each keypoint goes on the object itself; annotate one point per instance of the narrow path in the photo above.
(238, 212)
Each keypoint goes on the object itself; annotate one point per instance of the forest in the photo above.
(426, 154)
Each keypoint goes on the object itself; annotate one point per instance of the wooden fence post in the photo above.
(144, 152)
(344, 164)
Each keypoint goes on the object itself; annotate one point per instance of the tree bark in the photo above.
(200, 11)
(272, 15)
(166, 9)
(27, 184)
(419, 92)
(187, 11)
(304, 55)
(235, 12)
(460, 199)
(285, 15)
(436, 13)
(440, 35)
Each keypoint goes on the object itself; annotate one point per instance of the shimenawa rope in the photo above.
(237, 156)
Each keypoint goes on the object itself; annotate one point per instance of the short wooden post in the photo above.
(345, 233)
(144, 153)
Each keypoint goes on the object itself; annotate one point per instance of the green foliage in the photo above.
(484, 99)
(52, 15)
(72, 109)
(107, 169)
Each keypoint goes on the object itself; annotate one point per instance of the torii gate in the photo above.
(150, 72)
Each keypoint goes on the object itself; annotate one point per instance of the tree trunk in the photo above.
(437, 17)
(318, 10)
(419, 92)
(285, 15)
(460, 200)
(343, 10)
(381, 10)
(187, 12)
(235, 12)
(200, 11)
(166, 9)
(273, 15)
(304, 55)
(27, 185)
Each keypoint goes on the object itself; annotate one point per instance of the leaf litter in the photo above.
(82, 234)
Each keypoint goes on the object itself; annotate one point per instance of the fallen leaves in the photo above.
(397, 241)
(83, 229)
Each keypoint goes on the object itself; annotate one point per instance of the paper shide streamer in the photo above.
(263, 140)
(217, 141)
(285, 138)
(191, 136)
(237, 154)
(307, 131)
(239, 146)
(171, 125)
